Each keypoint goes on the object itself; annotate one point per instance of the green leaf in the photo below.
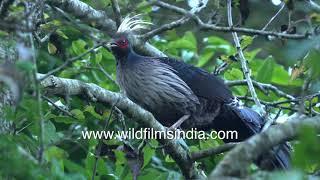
(52, 49)
(154, 174)
(189, 36)
(148, 152)
(121, 169)
(50, 135)
(312, 62)
(3, 33)
(250, 55)
(25, 65)
(246, 41)
(205, 57)
(266, 71)
(61, 33)
(215, 40)
(219, 44)
(73, 167)
(62, 119)
(188, 41)
(78, 46)
(90, 110)
(282, 77)
(54, 152)
(306, 154)
(234, 74)
(169, 159)
(78, 114)
(98, 57)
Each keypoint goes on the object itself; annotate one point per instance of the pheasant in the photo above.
(171, 89)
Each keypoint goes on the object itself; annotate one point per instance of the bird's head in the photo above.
(121, 43)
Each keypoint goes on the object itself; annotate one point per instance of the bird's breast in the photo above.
(156, 87)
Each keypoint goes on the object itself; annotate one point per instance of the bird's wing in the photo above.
(202, 83)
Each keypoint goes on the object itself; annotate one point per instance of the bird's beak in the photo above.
(111, 44)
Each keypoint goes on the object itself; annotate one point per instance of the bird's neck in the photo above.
(128, 59)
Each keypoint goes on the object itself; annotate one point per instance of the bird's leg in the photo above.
(179, 122)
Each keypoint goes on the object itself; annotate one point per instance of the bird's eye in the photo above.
(123, 42)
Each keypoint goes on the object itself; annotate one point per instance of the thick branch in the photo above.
(86, 13)
(61, 86)
(236, 162)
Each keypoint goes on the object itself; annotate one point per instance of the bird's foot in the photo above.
(90, 95)
(179, 122)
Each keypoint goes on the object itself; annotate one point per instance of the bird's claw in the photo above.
(179, 122)
(90, 95)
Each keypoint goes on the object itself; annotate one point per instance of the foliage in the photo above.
(68, 156)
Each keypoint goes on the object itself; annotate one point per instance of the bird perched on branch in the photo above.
(174, 91)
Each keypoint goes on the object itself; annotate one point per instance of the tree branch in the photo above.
(164, 27)
(4, 7)
(262, 86)
(235, 163)
(243, 60)
(71, 60)
(63, 110)
(62, 86)
(206, 26)
(88, 14)
(116, 11)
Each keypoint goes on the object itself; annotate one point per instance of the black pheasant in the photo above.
(171, 89)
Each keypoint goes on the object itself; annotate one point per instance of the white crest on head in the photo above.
(133, 23)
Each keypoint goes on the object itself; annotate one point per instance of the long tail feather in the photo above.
(247, 123)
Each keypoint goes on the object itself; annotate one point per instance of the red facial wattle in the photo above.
(122, 43)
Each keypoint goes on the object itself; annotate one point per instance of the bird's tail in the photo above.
(277, 158)
(248, 123)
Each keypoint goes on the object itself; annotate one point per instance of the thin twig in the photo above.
(165, 27)
(23, 128)
(69, 61)
(277, 104)
(243, 60)
(219, 69)
(120, 117)
(270, 104)
(262, 86)
(38, 96)
(58, 107)
(313, 5)
(46, 37)
(98, 151)
(173, 24)
(213, 27)
(265, 26)
(273, 17)
(116, 11)
(107, 74)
